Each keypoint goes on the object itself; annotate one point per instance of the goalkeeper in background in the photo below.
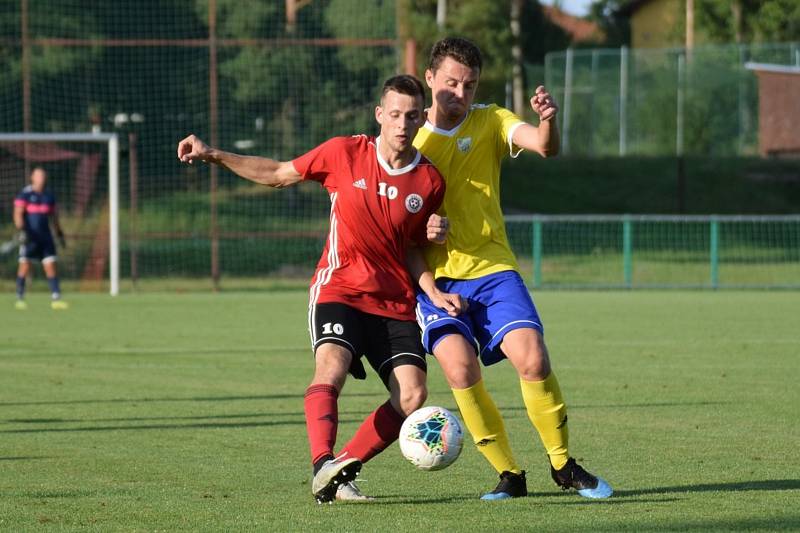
(34, 213)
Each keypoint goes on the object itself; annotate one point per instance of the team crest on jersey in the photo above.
(414, 202)
(464, 143)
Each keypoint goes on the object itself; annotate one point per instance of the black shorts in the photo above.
(386, 342)
(33, 250)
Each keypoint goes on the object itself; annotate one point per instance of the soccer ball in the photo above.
(431, 438)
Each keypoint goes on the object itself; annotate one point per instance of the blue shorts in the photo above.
(37, 250)
(498, 303)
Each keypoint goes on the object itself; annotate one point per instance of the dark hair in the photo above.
(404, 84)
(464, 51)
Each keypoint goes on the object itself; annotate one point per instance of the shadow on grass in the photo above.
(644, 405)
(23, 458)
(610, 501)
(404, 499)
(282, 414)
(210, 425)
(191, 399)
(398, 499)
(739, 486)
(142, 418)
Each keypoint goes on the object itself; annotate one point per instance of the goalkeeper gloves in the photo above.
(61, 239)
(22, 237)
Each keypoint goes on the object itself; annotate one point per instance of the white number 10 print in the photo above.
(390, 191)
(329, 328)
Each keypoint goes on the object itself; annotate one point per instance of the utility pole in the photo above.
(406, 45)
(689, 27)
(517, 72)
(292, 7)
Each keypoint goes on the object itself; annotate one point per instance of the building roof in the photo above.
(631, 7)
(579, 29)
(770, 67)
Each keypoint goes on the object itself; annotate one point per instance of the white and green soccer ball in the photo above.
(431, 438)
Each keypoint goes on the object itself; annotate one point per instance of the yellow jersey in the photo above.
(469, 157)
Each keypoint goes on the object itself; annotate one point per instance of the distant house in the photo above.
(655, 23)
(579, 30)
(778, 109)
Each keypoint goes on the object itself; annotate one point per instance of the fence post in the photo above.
(565, 129)
(714, 252)
(537, 253)
(627, 250)
(213, 121)
(623, 100)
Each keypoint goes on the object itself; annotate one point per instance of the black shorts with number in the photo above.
(386, 342)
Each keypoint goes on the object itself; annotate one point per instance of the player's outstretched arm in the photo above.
(454, 304)
(260, 170)
(544, 139)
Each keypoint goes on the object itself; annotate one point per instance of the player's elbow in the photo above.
(280, 182)
(279, 175)
(549, 151)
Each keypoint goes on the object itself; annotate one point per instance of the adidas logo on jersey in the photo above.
(360, 184)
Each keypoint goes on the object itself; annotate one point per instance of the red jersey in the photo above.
(375, 212)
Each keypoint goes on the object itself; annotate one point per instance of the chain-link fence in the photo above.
(661, 101)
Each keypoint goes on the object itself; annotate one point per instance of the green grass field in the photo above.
(184, 412)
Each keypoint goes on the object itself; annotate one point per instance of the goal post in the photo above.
(111, 141)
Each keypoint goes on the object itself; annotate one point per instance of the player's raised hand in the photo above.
(453, 303)
(544, 104)
(437, 228)
(192, 148)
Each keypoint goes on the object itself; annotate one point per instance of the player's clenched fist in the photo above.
(192, 148)
(543, 104)
(437, 228)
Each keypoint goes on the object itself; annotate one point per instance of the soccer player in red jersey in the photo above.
(361, 302)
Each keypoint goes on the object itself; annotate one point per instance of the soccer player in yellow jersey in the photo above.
(467, 143)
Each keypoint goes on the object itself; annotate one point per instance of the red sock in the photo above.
(321, 419)
(377, 432)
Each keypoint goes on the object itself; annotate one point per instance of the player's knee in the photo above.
(536, 365)
(331, 365)
(412, 398)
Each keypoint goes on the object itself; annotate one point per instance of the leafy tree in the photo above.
(615, 27)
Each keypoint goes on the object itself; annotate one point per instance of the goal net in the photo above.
(258, 78)
(83, 174)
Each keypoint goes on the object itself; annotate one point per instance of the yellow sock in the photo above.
(485, 424)
(548, 414)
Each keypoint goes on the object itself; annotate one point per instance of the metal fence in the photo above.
(661, 101)
(654, 251)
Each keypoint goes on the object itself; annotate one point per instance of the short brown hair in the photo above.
(404, 84)
(464, 51)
